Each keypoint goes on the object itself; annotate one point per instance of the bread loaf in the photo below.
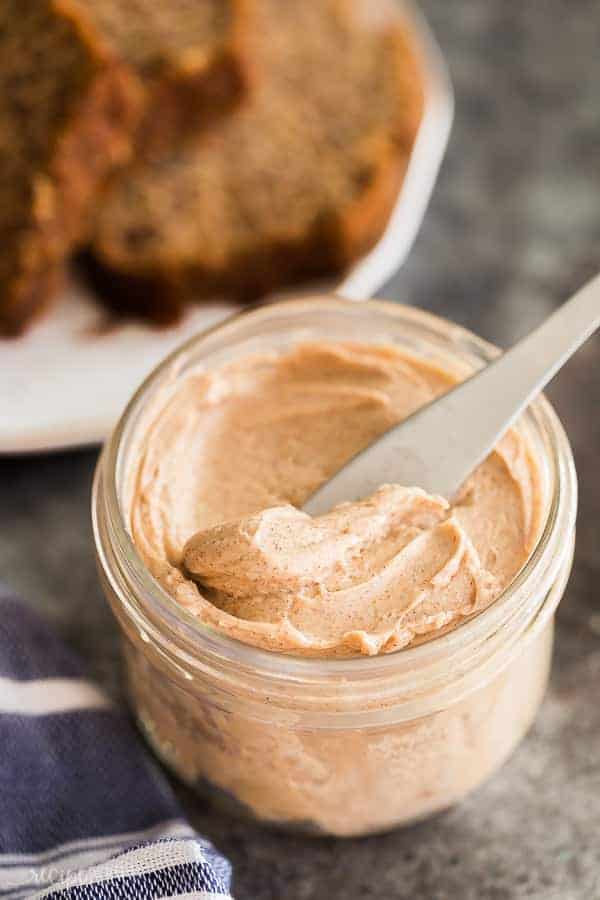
(297, 182)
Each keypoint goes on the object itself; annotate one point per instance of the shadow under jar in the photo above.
(346, 746)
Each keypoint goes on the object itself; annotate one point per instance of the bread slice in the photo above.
(296, 183)
(80, 83)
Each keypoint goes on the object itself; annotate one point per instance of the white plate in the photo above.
(64, 383)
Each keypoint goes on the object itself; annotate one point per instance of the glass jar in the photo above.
(335, 746)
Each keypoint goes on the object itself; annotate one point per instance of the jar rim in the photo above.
(153, 604)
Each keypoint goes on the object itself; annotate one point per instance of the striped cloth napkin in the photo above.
(85, 814)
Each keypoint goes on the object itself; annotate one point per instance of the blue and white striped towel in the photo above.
(85, 814)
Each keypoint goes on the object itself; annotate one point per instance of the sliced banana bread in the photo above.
(297, 182)
(78, 80)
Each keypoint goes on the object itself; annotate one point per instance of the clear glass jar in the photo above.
(347, 746)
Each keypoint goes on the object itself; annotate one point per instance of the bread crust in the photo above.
(90, 141)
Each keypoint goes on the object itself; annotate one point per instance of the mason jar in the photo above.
(346, 746)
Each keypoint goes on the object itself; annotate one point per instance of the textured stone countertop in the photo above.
(513, 227)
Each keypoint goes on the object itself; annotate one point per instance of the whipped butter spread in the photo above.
(227, 458)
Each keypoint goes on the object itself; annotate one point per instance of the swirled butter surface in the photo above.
(227, 458)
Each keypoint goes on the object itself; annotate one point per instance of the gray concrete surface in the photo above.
(514, 226)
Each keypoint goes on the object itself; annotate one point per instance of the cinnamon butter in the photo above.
(231, 456)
